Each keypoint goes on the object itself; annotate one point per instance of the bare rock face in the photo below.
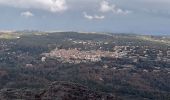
(56, 91)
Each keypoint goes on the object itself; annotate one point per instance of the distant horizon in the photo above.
(115, 16)
(154, 34)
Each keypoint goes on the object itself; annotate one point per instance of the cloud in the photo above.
(106, 7)
(48, 5)
(94, 17)
(27, 14)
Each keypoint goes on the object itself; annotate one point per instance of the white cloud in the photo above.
(27, 14)
(106, 7)
(90, 17)
(48, 5)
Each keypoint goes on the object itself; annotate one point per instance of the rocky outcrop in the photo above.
(56, 91)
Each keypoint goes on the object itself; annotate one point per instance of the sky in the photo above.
(116, 16)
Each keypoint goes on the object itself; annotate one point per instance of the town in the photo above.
(127, 64)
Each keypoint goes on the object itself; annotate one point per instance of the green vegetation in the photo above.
(143, 73)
